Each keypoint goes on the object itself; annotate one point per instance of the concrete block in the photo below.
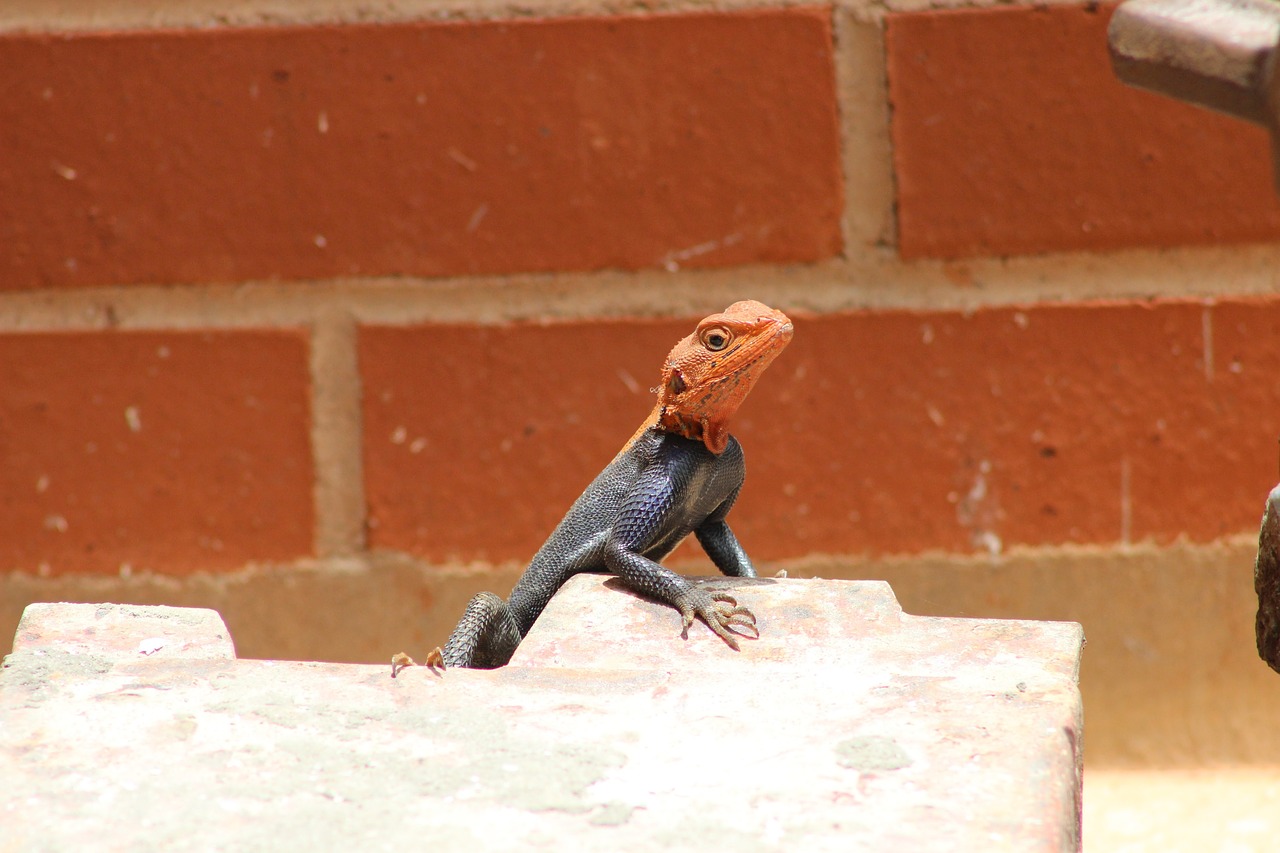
(874, 730)
(805, 625)
(123, 632)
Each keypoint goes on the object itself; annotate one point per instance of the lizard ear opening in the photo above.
(676, 384)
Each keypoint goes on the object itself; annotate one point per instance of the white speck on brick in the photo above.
(321, 241)
(934, 415)
(926, 333)
(1126, 502)
(1020, 320)
(979, 511)
(991, 542)
(42, 484)
(399, 435)
(210, 543)
(417, 445)
(64, 171)
(56, 522)
(476, 218)
(322, 122)
(672, 260)
(462, 160)
(629, 381)
(163, 351)
(1206, 330)
(133, 418)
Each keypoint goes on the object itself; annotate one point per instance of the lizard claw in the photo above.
(434, 661)
(738, 615)
(400, 661)
(723, 615)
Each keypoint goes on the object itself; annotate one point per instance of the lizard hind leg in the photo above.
(486, 636)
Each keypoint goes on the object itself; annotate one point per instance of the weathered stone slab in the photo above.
(865, 750)
(595, 622)
(124, 631)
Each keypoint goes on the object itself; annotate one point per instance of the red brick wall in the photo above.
(184, 211)
(418, 149)
(173, 451)
(1012, 136)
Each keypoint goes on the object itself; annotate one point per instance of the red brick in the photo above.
(1011, 135)
(877, 433)
(477, 439)
(418, 148)
(166, 451)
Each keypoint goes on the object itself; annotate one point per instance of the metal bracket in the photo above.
(1219, 54)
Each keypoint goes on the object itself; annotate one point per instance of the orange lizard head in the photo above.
(708, 374)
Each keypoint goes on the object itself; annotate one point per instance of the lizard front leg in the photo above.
(722, 547)
(719, 610)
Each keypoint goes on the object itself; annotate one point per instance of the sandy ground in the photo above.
(1231, 810)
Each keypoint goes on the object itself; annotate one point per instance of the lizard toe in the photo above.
(399, 661)
(721, 612)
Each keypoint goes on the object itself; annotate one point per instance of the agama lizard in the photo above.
(679, 474)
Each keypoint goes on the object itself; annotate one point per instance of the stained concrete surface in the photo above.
(962, 734)
(1172, 678)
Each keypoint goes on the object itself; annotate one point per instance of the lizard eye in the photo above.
(716, 338)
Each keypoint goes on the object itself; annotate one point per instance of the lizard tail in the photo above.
(486, 637)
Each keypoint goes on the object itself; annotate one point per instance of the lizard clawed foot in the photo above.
(722, 613)
(434, 661)
(400, 661)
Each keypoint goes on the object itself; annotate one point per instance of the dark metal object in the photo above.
(1219, 54)
(1266, 582)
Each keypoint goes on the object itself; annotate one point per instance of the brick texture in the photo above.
(1011, 135)
(171, 452)
(877, 433)
(420, 148)
(478, 439)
